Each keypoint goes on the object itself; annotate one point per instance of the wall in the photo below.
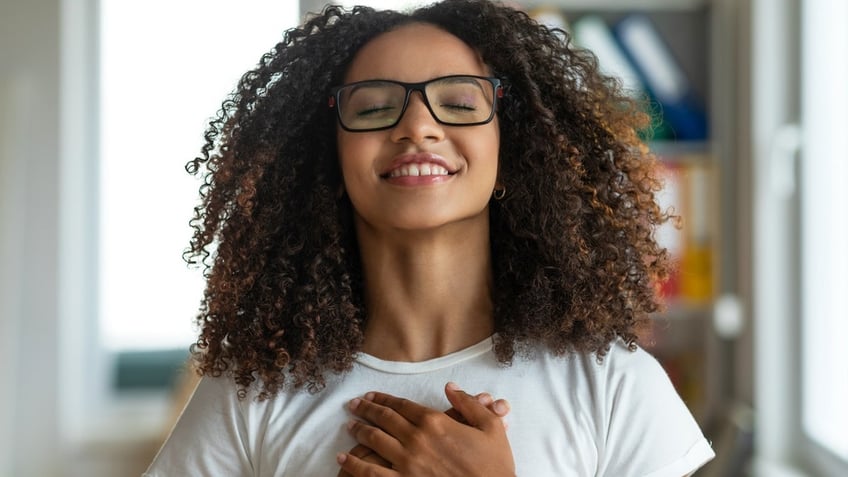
(29, 163)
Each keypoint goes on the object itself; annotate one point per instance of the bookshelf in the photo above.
(683, 337)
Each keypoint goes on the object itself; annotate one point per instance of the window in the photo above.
(799, 56)
(824, 212)
(165, 68)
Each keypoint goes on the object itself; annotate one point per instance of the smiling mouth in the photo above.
(417, 170)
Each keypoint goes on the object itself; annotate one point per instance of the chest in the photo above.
(551, 431)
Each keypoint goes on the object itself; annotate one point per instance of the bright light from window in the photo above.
(165, 68)
(825, 224)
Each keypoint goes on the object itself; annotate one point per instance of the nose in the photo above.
(417, 124)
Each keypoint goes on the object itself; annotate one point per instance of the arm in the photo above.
(419, 441)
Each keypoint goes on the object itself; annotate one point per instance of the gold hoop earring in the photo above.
(499, 193)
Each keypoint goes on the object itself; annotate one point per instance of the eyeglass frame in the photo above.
(335, 99)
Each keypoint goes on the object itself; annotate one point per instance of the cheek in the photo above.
(488, 146)
(355, 156)
(351, 152)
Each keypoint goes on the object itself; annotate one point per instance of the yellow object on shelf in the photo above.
(696, 273)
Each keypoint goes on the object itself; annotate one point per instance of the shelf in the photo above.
(672, 149)
(685, 311)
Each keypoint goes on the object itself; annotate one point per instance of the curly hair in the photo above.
(575, 260)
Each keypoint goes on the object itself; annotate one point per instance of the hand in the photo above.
(499, 407)
(419, 441)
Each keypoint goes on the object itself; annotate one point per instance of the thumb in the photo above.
(474, 413)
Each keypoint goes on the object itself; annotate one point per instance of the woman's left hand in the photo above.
(420, 441)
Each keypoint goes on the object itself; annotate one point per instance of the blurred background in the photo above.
(102, 102)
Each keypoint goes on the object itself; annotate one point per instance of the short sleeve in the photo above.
(210, 437)
(649, 430)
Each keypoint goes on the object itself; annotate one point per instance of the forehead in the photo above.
(412, 53)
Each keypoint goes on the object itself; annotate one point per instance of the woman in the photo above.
(396, 203)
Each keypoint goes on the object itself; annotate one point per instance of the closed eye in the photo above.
(459, 107)
(373, 110)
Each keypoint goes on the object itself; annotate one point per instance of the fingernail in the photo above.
(453, 386)
(369, 396)
(350, 424)
(341, 458)
(354, 403)
(501, 407)
(485, 399)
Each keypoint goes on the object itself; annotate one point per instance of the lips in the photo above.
(417, 165)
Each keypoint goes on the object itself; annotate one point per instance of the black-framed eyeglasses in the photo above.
(456, 100)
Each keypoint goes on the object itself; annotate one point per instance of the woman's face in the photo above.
(420, 174)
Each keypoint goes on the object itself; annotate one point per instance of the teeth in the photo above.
(419, 170)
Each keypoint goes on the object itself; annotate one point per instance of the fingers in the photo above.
(354, 466)
(360, 451)
(455, 415)
(411, 411)
(474, 412)
(483, 406)
(384, 417)
(485, 399)
(366, 454)
(386, 446)
(500, 407)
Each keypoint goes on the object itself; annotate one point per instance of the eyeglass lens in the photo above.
(379, 104)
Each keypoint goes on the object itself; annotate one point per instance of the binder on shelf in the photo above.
(696, 279)
(663, 77)
(689, 242)
(593, 33)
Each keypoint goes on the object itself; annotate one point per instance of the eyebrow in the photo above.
(462, 79)
(366, 84)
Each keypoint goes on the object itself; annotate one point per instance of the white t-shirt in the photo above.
(570, 416)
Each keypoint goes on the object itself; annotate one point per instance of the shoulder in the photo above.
(620, 366)
(632, 385)
(640, 406)
(210, 436)
(621, 378)
(634, 421)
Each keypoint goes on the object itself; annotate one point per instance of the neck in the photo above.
(427, 293)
